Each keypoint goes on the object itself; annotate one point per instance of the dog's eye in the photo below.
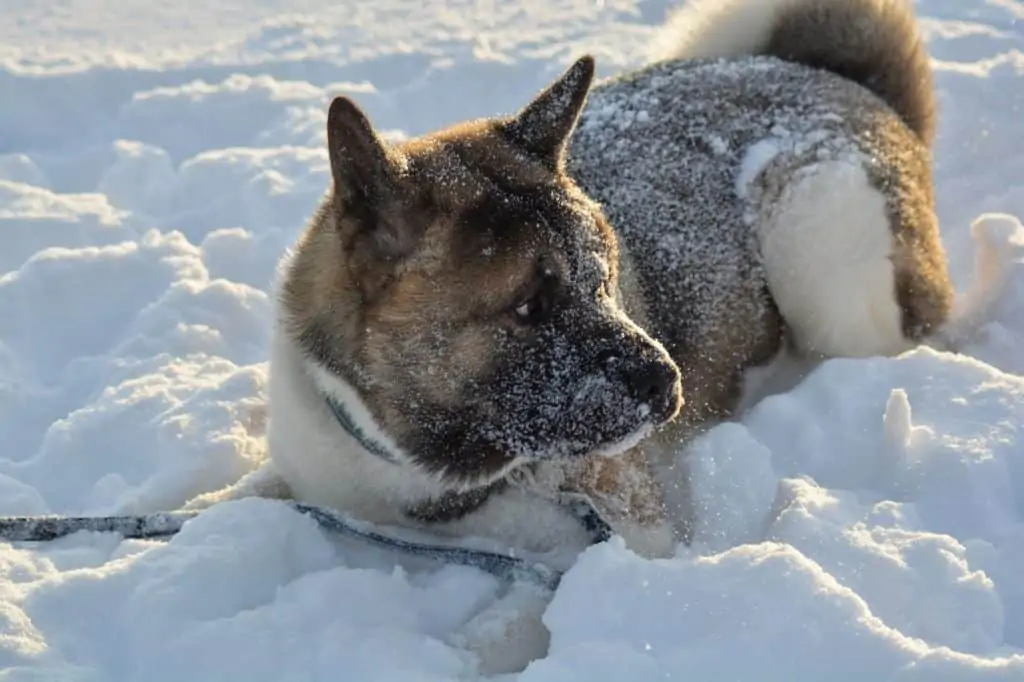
(532, 310)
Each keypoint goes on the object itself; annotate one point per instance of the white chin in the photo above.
(624, 444)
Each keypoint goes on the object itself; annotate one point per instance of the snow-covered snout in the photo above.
(466, 289)
(583, 379)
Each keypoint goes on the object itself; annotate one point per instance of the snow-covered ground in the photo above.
(155, 160)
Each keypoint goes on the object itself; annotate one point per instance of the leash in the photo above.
(165, 524)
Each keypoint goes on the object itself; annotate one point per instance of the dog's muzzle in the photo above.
(654, 382)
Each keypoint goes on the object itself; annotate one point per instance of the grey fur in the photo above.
(874, 43)
(662, 150)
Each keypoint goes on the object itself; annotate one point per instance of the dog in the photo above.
(481, 321)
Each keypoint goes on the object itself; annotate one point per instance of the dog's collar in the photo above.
(584, 511)
(348, 424)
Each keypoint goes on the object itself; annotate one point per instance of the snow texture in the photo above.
(156, 160)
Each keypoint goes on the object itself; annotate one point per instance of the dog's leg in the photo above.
(509, 634)
(851, 277)
(263, 481)
(624, 491)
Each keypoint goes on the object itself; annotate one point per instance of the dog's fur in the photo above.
(510, 305)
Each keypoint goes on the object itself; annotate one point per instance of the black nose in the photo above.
(656, 384)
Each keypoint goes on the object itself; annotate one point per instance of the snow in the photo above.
(155, 161)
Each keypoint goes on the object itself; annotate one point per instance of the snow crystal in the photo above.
(756, 159)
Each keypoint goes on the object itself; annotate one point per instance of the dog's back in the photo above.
(770, 177)
(871, 42)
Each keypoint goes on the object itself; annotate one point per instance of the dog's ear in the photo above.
(543, 127)
(368, 179)
(362, 165)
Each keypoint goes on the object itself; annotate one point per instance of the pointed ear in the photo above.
(361, 164)
(544, 126)
(368, 178)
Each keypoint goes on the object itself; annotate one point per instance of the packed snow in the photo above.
(155, 162)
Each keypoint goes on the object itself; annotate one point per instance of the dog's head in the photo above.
(468, 290)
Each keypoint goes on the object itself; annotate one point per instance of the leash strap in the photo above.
(164, 524)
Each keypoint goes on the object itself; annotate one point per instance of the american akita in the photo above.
(482, 319)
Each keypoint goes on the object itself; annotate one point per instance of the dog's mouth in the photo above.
(626, 443)
(612, 443)
(616, 426)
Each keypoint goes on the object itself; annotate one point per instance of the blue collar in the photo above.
(584, 511)
(346, 422)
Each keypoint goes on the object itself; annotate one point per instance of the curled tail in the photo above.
(874, 43)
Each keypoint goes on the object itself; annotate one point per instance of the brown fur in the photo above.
(923, 288)
(889, 59)
(622, 487)
(405, 280)
(446, 274)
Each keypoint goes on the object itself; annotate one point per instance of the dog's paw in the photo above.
(616, 497)
(545, 479)
(648, 537)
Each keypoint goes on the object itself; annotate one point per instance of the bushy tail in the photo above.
(872, 42)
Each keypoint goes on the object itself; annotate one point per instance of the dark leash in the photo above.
(166, 524)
